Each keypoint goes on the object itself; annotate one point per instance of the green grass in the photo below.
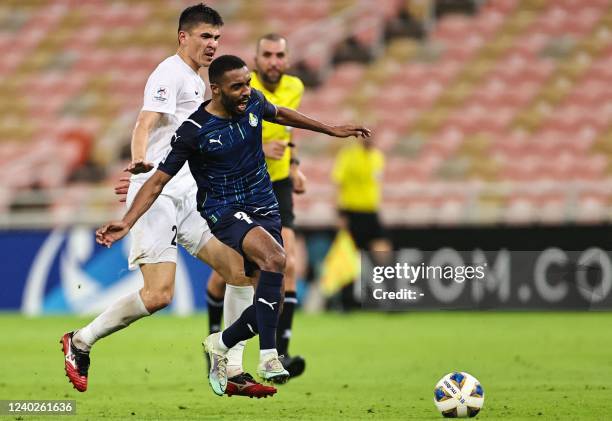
(360, 366)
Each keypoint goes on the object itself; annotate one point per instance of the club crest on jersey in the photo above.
(253, 120)
(161, 94)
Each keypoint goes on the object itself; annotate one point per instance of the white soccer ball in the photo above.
(459, 395)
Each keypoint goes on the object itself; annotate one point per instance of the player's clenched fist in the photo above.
(112, 232)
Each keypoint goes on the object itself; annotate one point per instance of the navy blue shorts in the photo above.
(232, 227)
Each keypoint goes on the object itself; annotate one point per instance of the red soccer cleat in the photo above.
(76, 363)
(245, 385)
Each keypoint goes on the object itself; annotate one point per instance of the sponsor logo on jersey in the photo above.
(211, 140)
(253, 120)
(161, 94)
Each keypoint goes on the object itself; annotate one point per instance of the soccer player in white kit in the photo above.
(172, 93)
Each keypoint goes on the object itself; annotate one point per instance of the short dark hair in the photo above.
(223, 64)
(272, 36)
(199, 13)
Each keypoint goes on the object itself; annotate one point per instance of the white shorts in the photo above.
(171, 220)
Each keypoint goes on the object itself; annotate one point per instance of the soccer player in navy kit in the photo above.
(222, 143)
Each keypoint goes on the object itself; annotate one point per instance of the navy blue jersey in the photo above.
(226, 159)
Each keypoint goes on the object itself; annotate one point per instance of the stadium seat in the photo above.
(516, 94)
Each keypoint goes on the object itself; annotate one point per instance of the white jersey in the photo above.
(175, 90)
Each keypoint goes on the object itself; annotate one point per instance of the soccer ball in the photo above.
(458, 395)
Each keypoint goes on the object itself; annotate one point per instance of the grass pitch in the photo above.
(359, 366)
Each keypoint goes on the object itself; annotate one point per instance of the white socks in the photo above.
(119, 315)
(237, 299)
(266, 354)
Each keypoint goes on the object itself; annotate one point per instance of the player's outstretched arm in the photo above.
(289, 117)
(140, 139)
(116, 230)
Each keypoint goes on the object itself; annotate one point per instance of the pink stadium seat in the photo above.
(488, 21)
(591, 209)
(520, 210)
(318, 169)
(386, 138)
(237, 33)
(452, 27)
(369, 28)
(95, 60)
(554, 20)
(510, 147)
(10, 61)
(590, 168)
(411, 71)
(346, 75)
(523, 170)
(420, 170)
(503, 6)
(395, 120)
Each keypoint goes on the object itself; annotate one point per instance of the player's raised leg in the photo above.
(239, 294)
(154, 252)
(263, 250)
(156, 294)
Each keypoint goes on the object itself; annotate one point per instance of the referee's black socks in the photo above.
(215, 312)
(285, 321)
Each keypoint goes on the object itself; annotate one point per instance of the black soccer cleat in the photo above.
(294, 365)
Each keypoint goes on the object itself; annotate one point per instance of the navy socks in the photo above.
(261, 317)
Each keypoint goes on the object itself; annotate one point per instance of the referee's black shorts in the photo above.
(364, 227)
(283, 190)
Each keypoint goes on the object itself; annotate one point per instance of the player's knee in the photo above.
(239, 279)
(216, 285)
(158, 300)
(289, 264)
(275, 261)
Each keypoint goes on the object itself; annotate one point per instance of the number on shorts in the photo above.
(173, 242)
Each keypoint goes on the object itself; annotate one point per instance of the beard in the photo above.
(231, 105)
(271, 79)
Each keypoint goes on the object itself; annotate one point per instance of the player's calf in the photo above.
(157, 298)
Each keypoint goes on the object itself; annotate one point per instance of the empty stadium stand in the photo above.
(498, 115)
